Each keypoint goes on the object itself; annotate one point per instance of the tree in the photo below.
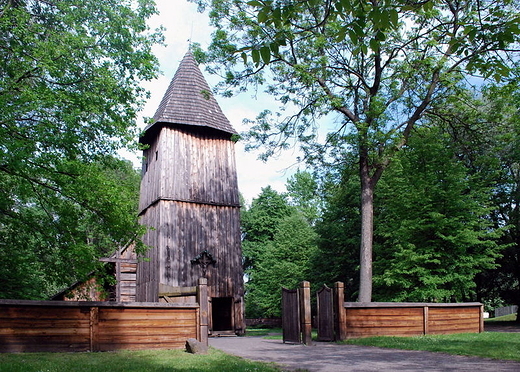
(278, 244)
(69, 96)
(337, 254)
(435, 235)
(259, 224)
(284, 262)
(48, 241)
(380, 65)
(303, 192)
(487, 141)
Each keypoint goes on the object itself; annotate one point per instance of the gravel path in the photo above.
(330, 357)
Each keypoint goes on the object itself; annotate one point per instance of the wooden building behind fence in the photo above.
(189, 196)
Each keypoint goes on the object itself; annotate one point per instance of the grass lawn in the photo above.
(495, 345)
(505, 318)
(130, 361)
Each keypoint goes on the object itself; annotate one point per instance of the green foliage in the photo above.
(488, 141)
(51, 239)
(337, 255)
(380, 65)
(278, 244)
(69, 96)
(434, 233)
(284, 263)
(302, 189)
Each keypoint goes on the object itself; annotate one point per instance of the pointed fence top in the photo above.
(189, 100)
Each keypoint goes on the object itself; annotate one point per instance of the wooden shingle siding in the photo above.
(34, 326)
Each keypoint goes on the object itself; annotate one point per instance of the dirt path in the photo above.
(330, 357)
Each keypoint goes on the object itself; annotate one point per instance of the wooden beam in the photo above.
(305, 312)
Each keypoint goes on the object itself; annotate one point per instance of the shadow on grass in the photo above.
(130, 361)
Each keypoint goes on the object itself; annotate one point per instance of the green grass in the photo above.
(130, 361)
(505, 318)
(263, 331)
(495, 345)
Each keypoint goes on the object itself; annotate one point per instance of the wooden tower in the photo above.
(189, 195)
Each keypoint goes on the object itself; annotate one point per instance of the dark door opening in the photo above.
(221, 313)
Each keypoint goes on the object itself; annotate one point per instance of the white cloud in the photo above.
(183, 23)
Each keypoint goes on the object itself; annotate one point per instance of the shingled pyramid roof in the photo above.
(189, 101)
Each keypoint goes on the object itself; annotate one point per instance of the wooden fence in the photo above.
(411, 319)
(354, 319)
(61, 326)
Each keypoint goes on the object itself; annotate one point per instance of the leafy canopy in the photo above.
(69, 96)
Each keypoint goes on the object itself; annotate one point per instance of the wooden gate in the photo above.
(325, 315)
(291, 316)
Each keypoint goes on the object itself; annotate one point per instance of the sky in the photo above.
(183, 23)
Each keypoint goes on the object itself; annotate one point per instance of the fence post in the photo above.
(481, 320)
(426, 318)
(340, 318)
(305, 312)
(93, 325)
(202, 299)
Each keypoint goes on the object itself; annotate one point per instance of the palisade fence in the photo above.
(340, 320)
(61, 326)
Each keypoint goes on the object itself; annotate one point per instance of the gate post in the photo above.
(305, 312)
(202, 299)
(340, 318)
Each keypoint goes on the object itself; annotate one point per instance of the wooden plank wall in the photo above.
(183, 231)
(411, 319)
(148, 328)
(463, 319)
(189, 164)
(56, 326)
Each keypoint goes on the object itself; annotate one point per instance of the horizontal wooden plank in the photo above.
(43, 323)
(143, 329)
(384, 318)
(47, 347)
(136, 316)
(56, 331)
(397, 312)
(142, 346)
(459, 311)
(375, 324)
(380, 332)
(132, 339)
(85, 305)
(453, 321)
(453, 316)
(42, 327)
(45, 340)
(128, 276)
(408, 304)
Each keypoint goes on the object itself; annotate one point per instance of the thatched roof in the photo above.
(189, 101)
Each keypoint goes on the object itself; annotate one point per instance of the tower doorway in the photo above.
(222, 313)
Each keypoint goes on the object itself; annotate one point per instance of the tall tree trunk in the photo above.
(367, 229)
